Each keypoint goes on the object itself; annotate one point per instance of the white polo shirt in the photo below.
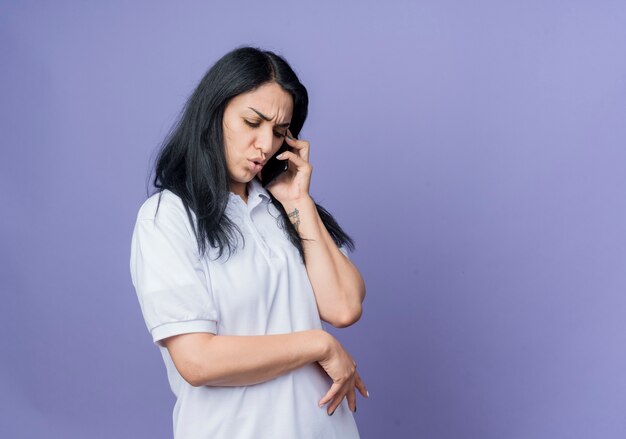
(262, 289)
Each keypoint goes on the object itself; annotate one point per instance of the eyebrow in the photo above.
(286, 124)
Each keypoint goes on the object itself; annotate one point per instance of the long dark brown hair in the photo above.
(191, 161)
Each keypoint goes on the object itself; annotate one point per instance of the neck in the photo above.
(240, 189)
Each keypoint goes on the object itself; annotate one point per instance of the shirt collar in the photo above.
(256, 195)
(256, 190)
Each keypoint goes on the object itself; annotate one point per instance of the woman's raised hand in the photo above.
(294, 184)
(340, 366)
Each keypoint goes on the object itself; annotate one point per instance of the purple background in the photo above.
(475, 151)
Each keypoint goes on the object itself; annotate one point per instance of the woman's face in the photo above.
(248, 137)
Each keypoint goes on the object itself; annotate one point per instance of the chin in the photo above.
(244, 177)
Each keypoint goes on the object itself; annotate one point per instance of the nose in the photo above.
(264, 142)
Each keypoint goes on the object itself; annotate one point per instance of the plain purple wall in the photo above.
(476, 151)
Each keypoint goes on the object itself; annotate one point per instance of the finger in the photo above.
(361, 386)
(300, 163)
(330, 394)
(351, 396)
(302, 146)
(335, 402)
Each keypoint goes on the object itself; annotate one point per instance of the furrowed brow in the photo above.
(282, 125)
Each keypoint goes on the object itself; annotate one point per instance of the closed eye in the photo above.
(256, 125)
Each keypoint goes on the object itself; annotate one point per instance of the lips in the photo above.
(255, 166)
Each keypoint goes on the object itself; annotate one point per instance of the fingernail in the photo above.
(368, 393)
(355, 409)
(332, 413)
(280, 156)
(289, 136)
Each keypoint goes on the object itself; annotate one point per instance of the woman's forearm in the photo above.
(233, 360)
(337, 284)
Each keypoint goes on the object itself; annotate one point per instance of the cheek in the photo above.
(276, 146)
(234, 148)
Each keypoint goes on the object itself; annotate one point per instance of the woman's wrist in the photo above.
(290, 205)
(297, 209)
(323, 343)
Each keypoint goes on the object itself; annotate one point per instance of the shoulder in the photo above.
(165, 227)
(166, 211)
(164, 204)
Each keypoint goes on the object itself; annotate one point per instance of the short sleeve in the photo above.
(344, 250)
(171, 281)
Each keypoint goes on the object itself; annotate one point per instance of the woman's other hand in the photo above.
(294, 184)
(341, 367)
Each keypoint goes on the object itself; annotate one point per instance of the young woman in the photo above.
(234, 278)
